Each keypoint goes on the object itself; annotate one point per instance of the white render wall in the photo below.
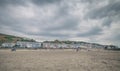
(8, 45)
(29, 44)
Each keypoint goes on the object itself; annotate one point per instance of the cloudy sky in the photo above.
(95, 21)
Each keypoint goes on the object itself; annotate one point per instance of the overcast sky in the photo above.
(95, 21)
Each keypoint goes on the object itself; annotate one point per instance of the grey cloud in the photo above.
(50, 34)
(110, 10)
(63, 11)
(93, 32)
(53, 31)
(115, 37)
(90, 1)
(7, 22)
(6, 19)
(107, 22)
(67, 24)
(44, 2)
(12, 2)
(24, 2)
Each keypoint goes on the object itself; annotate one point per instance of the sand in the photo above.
(59, 60)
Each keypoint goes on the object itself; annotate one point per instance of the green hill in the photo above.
(11, 38)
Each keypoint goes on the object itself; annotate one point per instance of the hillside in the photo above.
(82, 43)
(11, 38)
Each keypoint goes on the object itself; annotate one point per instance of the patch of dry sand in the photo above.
(59, 60)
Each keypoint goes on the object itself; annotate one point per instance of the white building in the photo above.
(28, 44)
(8, 45)
(60, 45)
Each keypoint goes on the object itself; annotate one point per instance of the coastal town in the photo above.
(56, 44)
(9, 41)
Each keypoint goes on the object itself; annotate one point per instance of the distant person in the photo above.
(13, 48)
(77, 49)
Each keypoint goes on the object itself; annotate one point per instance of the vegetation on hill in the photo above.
(94, 45)
(14, 39)
(10, 38)
(68, 42)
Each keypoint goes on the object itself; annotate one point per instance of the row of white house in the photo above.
(60, 45)
(20, 44)
(39, 45)
(28, 44)
(8, 45)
